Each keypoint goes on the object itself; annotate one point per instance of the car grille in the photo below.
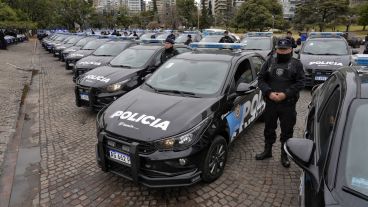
(323, 72)
(143, 147)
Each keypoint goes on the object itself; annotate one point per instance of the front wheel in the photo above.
(214, 162)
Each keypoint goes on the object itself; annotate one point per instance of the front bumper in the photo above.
(316, 76)
(149, 166)
(94, 98)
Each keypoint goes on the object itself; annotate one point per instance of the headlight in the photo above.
(116, 86)
(184, 140)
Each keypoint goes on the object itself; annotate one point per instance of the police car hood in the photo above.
(330, 62)
(147, 116)
(63, 46)
(82, 52)
(93, 61)
(72, 49)
(105, 75)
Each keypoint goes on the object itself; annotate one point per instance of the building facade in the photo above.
(133, 6)
(289, 7)
(356, 2)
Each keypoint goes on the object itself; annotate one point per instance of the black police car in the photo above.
(334, 152)
(86, 50)
(59, 38)
(71, 42)
(81, 43)
(102, 56)
(262, 42)
(322, 54)
(101, 86)
(175, 129)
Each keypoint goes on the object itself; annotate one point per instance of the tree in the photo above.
(123, 18)
(187, 12)
(204, 20)
(320, 12)
(259, 15)
(363, 15)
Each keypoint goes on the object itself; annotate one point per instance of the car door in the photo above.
(321, 124)
(243, 109)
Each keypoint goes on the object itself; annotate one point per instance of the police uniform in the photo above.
(280, 75)
(226, 39)
(169, 53)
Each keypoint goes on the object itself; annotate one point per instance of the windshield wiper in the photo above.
(355, 193)
(183, 93)
(147, 84)
(104, 55)
(328, 54)
(309, 53)
(253, 49)
(123, 66)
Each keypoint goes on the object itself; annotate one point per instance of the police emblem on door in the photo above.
(279, 71)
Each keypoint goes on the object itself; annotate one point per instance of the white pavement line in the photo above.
(18, 68)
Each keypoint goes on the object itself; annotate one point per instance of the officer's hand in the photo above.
(273, 96)
(281, 96)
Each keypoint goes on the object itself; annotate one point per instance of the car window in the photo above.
(326, 125)
(132, 58)
(243, 74)
(257, 43)
(183, 49)
(356, 168)
(257, 62)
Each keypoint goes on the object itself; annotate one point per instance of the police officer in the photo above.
(189, 40)
(280, 79)
(172, 35)
(289, 35)
(170, 51)
(226, 38)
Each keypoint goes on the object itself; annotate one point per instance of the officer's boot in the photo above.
(266, 153)
(284, 158)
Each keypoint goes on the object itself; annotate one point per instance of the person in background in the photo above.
(135, 35)
(189, 40)
(289, 35)
(226, 38)
(172, 35)
(2, 40)
(170, 51)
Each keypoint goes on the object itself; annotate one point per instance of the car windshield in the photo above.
(132, 58)
(148, 36)
(162, 36)
(73, 40)
(183, 38)
(93, 45)
(257, 43)
(325, 47)
(197, 77)
(356, 172)
(212, 38)
(83, 41)
(110, 49)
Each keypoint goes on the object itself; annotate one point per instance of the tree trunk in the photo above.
(347, 28)
(364, 27)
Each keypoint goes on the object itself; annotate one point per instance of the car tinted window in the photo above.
(132, 58)
(214, 38)
(325, 47)
(83, 41)
(257, 62)
(199, 77)
(93, 44)
(257, 43)
(356, 168)
(110, 49)
(326, 125)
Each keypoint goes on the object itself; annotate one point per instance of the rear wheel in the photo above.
(214, 162)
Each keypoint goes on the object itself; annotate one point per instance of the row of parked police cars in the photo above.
(17, 38)
(171, 124)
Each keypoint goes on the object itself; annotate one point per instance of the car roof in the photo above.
(213, 54)
(360, 80)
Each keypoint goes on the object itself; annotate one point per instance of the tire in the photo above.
(214, 162)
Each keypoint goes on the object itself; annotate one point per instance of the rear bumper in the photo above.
(155, 170)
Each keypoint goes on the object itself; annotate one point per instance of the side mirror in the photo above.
(245, 88)
(354, 51)
(301, 152)
(297, 51)
(157, 63)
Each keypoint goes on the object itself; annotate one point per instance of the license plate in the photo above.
(56, 53)
(120, 157)
(71, 64)
(320, 78)
(84, 96)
